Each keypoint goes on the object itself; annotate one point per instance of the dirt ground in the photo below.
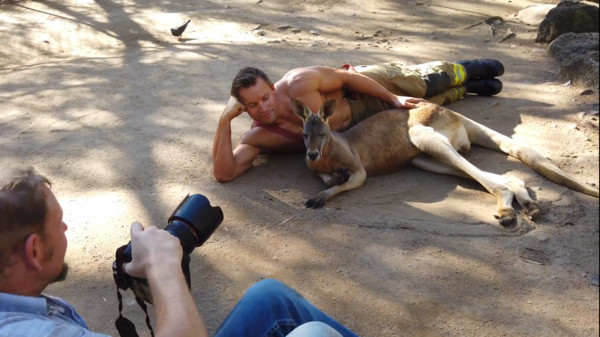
(100, 97)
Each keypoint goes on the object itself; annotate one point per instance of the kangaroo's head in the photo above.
(316, 129)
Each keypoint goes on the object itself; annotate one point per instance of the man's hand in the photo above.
(407, 102)
(156, 256)
(233, 109)
(150, 248)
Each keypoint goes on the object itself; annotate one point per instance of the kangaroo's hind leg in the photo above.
(451, 162)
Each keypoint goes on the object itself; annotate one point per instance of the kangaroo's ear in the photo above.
(300, 109)
(327, 109)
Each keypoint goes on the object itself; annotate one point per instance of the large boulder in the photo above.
(577, 54)
(568, 16)
(569, 45)
(581, 70)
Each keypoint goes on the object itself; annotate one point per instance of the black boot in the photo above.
(484, 68)
(484, 86)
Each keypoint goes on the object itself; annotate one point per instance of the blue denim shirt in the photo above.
(25, 316)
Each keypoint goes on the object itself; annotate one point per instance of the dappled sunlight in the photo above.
(120, 115)
(458, 204)
(216, 31)
(442, 262)
(99, 219)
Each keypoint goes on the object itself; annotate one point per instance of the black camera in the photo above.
(192, 222)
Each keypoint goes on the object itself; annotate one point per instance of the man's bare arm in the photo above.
(326, 79)
(228, 163)
(365, 85)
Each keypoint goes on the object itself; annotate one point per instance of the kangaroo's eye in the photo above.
(305, 135)
(322, 135)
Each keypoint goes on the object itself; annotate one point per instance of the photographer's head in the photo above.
(32, 233)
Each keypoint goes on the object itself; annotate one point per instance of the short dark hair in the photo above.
(22, 209)
(246, 78)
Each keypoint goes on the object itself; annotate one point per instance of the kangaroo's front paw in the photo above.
(314, 203)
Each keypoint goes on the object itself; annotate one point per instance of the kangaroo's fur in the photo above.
(389, 140)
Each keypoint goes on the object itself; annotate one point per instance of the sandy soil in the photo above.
(98, 96)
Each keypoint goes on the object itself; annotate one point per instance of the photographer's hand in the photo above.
(151, 247)
(156, 256)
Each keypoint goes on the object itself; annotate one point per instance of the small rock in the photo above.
(284, 27)
(534, 15)
(586, 92)
(315, 32)
(260, 32)
(594, 280)
(296, 30)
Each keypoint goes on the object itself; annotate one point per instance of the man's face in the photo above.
(259, 101)
(54, 240)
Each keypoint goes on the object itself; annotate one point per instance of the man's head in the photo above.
(245, 78)
(32, 233)
(256, 92)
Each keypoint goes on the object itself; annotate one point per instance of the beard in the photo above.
(62, 275)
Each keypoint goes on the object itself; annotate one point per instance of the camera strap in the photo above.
(124, 326)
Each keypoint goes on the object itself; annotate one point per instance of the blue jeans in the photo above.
(271, 309)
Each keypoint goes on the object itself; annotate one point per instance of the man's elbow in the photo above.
(223, 177)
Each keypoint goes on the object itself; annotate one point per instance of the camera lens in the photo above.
(194, 221)
(186, 235)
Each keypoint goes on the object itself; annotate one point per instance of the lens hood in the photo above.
(195, 210)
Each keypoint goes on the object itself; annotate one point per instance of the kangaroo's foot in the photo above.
(506, 189)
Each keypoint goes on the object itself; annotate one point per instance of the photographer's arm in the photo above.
(157, 257)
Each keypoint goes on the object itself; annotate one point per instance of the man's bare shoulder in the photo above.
(304, 81)
(305, 73)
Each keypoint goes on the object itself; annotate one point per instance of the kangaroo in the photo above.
(392, 139)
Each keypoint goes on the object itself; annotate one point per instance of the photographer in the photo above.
(32, 252)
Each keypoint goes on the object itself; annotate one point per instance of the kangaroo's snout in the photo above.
(312, 154)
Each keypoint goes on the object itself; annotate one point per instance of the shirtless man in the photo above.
(359, 92)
